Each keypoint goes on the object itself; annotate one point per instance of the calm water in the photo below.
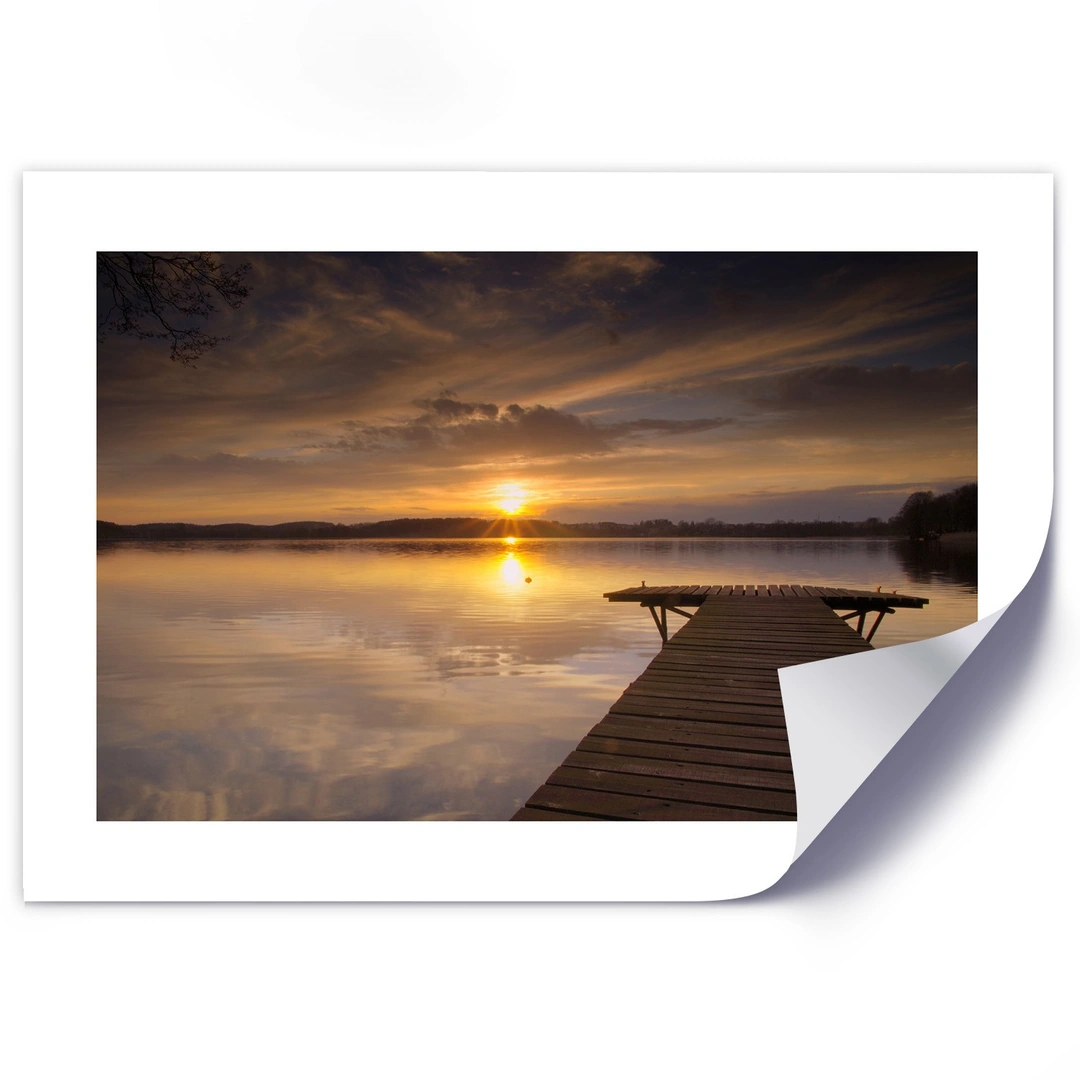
(407, 679)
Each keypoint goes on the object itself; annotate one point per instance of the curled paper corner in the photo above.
(845, 714)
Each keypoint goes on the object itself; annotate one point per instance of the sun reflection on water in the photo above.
(511, 570)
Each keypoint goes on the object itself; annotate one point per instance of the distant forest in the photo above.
(924, 515)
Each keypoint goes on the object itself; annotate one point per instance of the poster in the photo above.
(70, 855)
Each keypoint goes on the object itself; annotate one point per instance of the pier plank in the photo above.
(691, 691)
(677, 711)
(621, 806)
(736, 759)
(708, 678)
(682, 735)
(686, 791)
(687, 727)
(760, 785)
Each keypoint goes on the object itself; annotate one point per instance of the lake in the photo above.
(411, 679)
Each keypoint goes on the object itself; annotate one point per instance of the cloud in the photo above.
(224, 464)
(449, 259)
(479, 431)
(446, 407)
(672, 427)
(471, 430)
(849, 384)
(890, 400)
(592, 267)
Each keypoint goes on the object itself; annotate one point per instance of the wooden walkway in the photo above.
(700, 735)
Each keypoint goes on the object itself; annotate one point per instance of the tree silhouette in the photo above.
(915, 514)
(167, 296)
(924, 513)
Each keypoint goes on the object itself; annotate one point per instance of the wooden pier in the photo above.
(700, 735)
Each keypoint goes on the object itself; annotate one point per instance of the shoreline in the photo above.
(959, 541)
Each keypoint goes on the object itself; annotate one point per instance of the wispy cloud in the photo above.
(592, 267)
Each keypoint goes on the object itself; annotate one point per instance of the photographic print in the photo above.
(493, 536)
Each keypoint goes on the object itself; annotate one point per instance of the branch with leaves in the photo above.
(148, 295)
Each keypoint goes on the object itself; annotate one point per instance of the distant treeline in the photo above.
(923, 516)
(399, 528)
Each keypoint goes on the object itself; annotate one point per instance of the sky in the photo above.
(620, 386)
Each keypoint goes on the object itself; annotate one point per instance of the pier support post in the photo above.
(881, 615)
(660, 620)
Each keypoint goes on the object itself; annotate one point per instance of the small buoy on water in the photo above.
(528, 580)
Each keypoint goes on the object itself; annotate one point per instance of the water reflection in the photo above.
(405, 679)
(936, 562)
(510, 570)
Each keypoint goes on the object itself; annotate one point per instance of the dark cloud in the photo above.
(477, 430)
(592, 267)
(463, 429)
(447, 407)
(223, 464)
(844, 397)
(213, 472)
(450, 259)
(671, 427)
(847, 385)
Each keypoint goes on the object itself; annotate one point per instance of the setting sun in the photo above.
(511, 499)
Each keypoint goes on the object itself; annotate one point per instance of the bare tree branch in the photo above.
(165, 296)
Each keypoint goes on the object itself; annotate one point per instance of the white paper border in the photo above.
(1007, 218)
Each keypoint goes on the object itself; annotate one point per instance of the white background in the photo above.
(926, 931)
